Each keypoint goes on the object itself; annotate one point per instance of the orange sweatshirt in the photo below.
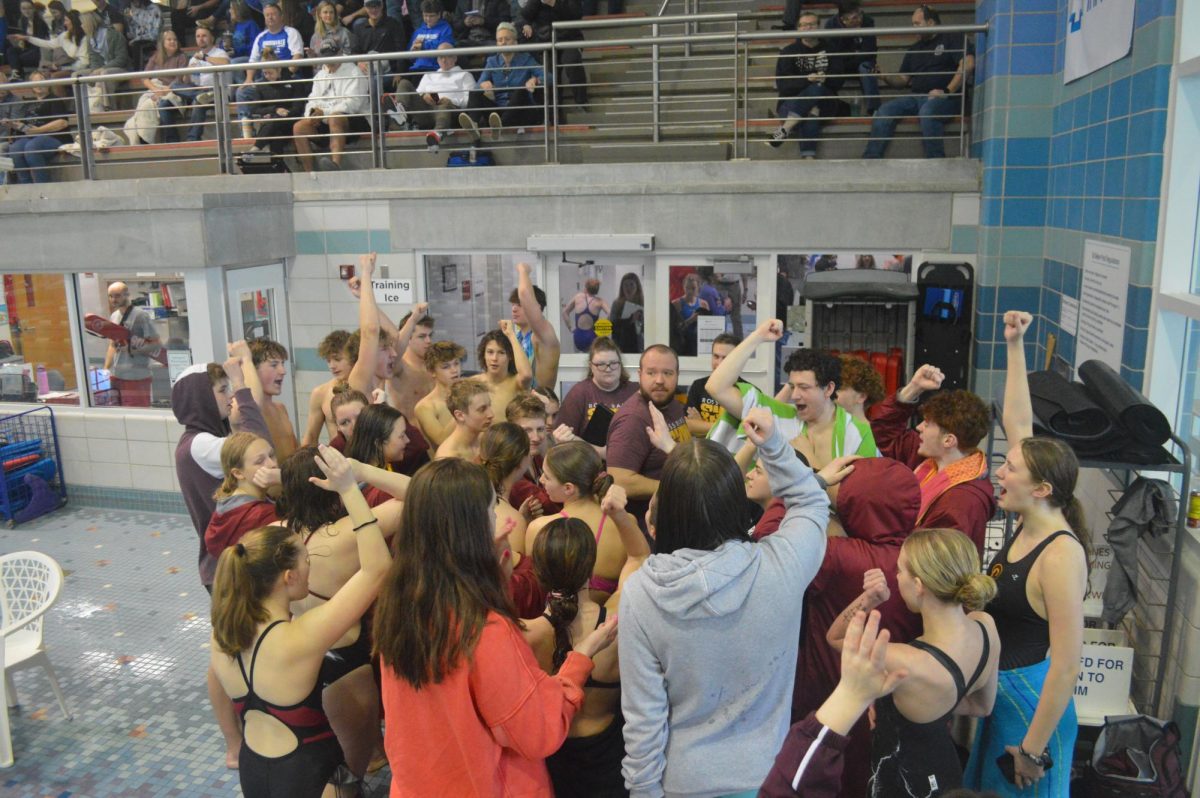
(486, 729)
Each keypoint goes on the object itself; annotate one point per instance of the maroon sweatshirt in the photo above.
(809, 764)
(234, 517)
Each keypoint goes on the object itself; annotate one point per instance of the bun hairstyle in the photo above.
(502, 449)
(576, 463)
(246, 575)
(233, 455)
(947, 563)
(344, 395)
(564, 554)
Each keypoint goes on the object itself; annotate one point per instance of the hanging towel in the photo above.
(1146, 508)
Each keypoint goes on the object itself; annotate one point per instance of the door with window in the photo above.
(256, 304)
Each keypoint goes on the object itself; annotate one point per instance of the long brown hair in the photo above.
(445, 576)
(502, 447)
(576, 463)
(233, 455)
(564, 554)
(1051, 461)
(371, 432)
(303, 506)
(246, 575)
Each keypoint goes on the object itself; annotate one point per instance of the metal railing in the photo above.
(669, 89)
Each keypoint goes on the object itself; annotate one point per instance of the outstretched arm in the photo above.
(543, 331)
(1018, 408)
(722, 385)
(362, 376)
(402, 336)
(520, 359)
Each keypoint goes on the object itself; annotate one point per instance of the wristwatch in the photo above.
(1044, 761)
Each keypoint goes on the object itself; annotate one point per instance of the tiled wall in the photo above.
(1063, 163)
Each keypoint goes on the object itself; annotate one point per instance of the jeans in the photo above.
(810, 126)
(247, 98)
(169, 115)
(31, 155)
(870, 85)
(932, 113)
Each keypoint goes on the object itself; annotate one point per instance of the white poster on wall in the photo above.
(1102, 303)
(1099, 32)
(394, 292)
(707, 329)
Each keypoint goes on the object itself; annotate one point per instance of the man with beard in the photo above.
(633, 461)
(812, 420)
(129, 361)
(943, 451)
(935, 70)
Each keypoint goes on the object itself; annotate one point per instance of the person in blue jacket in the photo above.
(511, 87)
(434, 32)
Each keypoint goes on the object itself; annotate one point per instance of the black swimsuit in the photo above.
(1024, 635)
(590, 767)
(919, 759)
(305, 771)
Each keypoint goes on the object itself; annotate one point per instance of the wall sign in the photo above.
(1102, 303)
(1099, 32)
(393, 292)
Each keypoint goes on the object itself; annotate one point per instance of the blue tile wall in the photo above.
(1095, 173)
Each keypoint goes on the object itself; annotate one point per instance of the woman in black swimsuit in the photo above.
(273, 666)
(588, 765)
(951, 668)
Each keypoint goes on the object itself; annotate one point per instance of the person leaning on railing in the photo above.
(935, 70)
(511, 86)
(40, 134)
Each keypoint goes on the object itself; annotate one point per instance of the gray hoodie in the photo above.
(708, 648)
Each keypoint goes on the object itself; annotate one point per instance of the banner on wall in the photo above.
(1099, 32)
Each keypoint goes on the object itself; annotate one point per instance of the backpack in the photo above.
(471, 157)
(1136, 756)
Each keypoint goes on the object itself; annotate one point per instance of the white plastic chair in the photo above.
(29, 585)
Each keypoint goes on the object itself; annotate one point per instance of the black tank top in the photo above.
(1024, 635)
(909, 758)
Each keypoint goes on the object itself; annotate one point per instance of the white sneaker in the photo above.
(778, 137)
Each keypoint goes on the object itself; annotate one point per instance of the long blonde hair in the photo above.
(321, 30)
(233, 455)
(947, 563)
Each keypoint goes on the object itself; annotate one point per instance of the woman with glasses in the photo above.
(607, 386)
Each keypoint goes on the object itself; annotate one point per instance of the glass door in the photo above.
(256, 303)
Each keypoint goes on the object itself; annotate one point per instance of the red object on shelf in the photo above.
(17, 462)
(895, 364)
(861, 354)
(878, 361)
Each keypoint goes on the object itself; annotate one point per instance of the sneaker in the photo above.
(468, 124)
(778, 137)
(496, 123)
(433, 140)
(808, 156)
(398, 113)
(247, 129)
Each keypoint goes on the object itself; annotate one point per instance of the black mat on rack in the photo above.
(1144, 422)
(1067, 411)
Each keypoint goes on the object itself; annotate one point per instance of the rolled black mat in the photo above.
(1123, 403)
(1066, 410)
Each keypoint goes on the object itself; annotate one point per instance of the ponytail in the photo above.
(576, 463)
(564, 554)
(1073, 512)
(601, 484)
(246, 575)
(1051, 461)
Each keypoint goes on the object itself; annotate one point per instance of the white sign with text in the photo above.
(1099, 32)
(1105, 673)
(1102, 303)
(393, 292)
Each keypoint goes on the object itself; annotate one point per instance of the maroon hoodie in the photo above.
(966, 507)
(234, 517)
(198, 470)
(809, 764)
(877, 506)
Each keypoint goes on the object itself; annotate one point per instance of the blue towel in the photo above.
(1016, 700)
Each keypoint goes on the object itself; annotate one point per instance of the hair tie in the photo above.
(556, 595)
(240, 550)
(602, 474)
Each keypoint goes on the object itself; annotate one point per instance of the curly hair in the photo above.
(861, 376)
(461, 394)
(961, 413)
(824, 366)
(333, 344)
(441, 352)
(264, 349)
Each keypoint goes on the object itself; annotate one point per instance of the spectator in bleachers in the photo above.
(110, 15)
(198, 92)
(329, 28)
(107, 55)
(281, 103)
(243, 31)
(21, 52)
(433, 32)
(377, 33)
(511, 86)
(185, 15)
(43, 130)
(285, 42)
(157, 106)
(439, 94)
(56, 18)
(143, 22)
(475, 21)
(31, 47)
(803, 78)
(858, 54)
(11, 112)
(934, 70)
(539, 16)
(336, 107)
